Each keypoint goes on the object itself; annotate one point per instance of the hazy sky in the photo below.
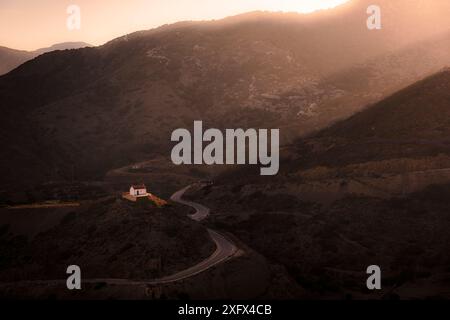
(32, 24)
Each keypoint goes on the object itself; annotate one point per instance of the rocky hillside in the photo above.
(90, 110)
(110, 238)
(412, 123)
(371, 189)
(326, 249)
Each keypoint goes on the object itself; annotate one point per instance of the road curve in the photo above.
(201, 212)
(225, 249)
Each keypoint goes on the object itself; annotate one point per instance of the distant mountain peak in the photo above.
(12, 58)
(63, 46)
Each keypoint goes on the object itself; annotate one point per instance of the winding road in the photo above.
(225, 250)
(201, 212)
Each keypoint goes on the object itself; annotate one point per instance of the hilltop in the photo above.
(109, 238)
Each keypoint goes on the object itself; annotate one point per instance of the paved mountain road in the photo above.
(225, 249)
(201, 212)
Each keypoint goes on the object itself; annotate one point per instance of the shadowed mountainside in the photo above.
(370, 189)
(82, 112)
(412, 123)
(406, 131)
(106, 237)
(11, 58)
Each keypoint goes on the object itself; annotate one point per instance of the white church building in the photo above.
(138, 191)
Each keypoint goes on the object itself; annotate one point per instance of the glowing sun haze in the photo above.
(29, 25)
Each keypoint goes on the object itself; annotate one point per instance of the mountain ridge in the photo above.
(12, 58)
(123, 99)
(411, 123)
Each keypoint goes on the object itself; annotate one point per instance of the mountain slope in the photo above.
(412, 123)
(94, 109)
(405, 132)
(108, 232)
(62, 46)
(390, 72)
(11, 59)
(371, 187)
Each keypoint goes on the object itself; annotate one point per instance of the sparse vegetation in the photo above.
(132, 236)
